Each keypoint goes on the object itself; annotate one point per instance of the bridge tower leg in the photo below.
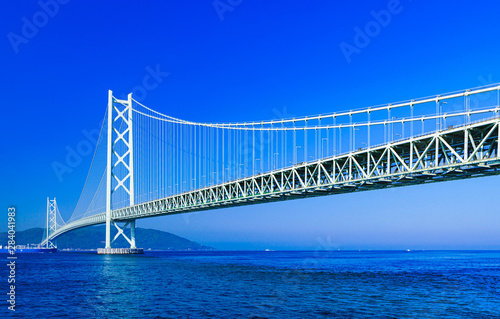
(109, 169)
(120, 152)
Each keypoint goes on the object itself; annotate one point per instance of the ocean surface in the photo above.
(326, 284)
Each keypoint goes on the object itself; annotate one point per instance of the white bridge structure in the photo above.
(149, 164)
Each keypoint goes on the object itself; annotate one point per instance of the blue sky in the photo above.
(239, 61)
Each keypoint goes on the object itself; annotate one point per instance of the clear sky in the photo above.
(233, 60)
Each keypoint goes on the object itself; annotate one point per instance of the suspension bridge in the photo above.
(150, 164)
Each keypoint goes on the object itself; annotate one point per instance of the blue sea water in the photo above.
(339, 284)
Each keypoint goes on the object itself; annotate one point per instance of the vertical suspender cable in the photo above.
(305, 140)
(319, 139)
(294, 144)
(217, 156)
(223, 158)
(253, 150)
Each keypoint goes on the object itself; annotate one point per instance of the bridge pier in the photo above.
(120, 251)
(132, 234)
(108, 232)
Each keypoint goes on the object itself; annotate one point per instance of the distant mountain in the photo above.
(93, 238)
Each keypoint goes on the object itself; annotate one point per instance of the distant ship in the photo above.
(23, 249)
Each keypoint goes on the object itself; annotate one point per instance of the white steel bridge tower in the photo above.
(119, 169)
(51, 221)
